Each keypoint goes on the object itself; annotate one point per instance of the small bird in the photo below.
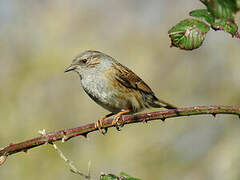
(113, 86)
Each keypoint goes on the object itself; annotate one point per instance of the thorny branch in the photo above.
(65, 135)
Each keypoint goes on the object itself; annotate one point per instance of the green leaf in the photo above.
(227, 26)
(221, 9)
(108, 177)
(124, 175)
(203, 14)
(238, 4)
(188, 34)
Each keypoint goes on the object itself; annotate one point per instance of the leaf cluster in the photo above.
(122, 176)
(190, 33)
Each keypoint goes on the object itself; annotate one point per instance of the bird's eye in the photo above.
(84, 61)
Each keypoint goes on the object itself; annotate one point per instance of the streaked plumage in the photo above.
(112, 85)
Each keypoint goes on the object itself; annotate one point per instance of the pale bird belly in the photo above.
(112, 99)
(115, 101)
(119, 102)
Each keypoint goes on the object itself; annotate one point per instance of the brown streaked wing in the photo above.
(129, 79)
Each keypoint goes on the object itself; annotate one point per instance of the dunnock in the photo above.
(113, 86)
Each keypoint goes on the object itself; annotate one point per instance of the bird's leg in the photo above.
(118, 116)
(99, 123)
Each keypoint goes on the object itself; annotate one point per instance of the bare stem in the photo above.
(70, 163)
(67, 134)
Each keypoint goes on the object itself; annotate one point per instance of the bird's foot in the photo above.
(117, 121)
(99, 123)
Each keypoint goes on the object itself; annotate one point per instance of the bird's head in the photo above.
(90, 61)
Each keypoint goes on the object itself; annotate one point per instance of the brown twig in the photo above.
(67, 134)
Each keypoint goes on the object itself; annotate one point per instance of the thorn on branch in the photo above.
(64, 132)
(85, 135)
(163, 119)
(64, 138)
(214, 114)
(145, 121)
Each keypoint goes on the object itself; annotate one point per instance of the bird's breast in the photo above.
(95, 87)
(109, 97)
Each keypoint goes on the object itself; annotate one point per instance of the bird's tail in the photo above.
(162, 104)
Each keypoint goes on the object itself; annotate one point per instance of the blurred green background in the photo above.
(40, 38)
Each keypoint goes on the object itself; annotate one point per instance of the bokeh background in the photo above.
(40, 38)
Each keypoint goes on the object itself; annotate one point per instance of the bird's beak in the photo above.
(70, 68)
